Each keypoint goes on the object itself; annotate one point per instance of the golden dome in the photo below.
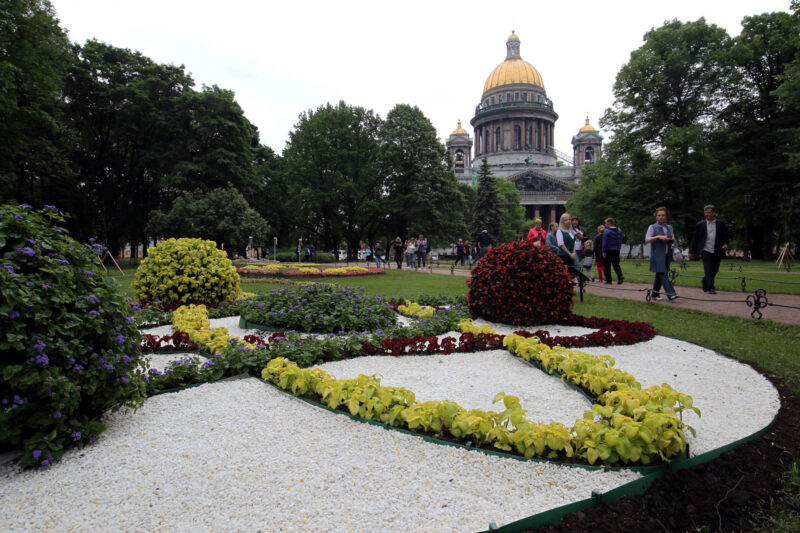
(459, 130)
(514, 69)
(588, 127)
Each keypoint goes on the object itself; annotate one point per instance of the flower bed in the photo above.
(294, 270)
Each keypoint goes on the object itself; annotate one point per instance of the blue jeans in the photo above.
(411, 260)
(663, 279)
(378, 260)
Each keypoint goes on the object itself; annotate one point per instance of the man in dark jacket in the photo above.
(709, 243)
(484, 241)
(612, 244)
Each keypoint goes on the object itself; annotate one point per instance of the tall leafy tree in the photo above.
(668, 98)
(34, 56)
(422, 194)
(125, 110)
(486, 210)
(752, 143)
(333, 159)
(512, 213)
(222, 215)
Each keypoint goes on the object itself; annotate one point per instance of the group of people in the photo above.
(415, 251)
(566, 239)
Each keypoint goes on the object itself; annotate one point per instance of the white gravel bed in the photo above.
(241, 456)
(238, 455)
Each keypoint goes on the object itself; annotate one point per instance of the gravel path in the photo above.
(238, 455)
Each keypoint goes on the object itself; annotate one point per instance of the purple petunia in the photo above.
(9, 269)
(88, 272)
(39, 346)
(46, 286)
(26, 251)
(124, 379)
(51, 207)
(42, 359)
(120, 339)
(63, 261)
(36, 454)
(76, 436)
(24, 206)
(92, 299)
(93, 312)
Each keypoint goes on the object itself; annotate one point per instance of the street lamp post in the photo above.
(274, 247)
(747, 226)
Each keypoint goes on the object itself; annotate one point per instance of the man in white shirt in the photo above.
(710, 243)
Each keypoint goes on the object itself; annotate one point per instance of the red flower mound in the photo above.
(520, 284)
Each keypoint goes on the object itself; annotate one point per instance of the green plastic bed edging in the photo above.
(633, 488)
(638, 469)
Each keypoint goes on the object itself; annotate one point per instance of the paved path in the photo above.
(724, 302)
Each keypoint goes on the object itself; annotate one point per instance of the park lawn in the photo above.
(758, 275)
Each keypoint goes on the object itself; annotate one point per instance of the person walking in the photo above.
(422, 251)
(709, 242)
(484, 242)
(459, 252)
(368, 254)
(578, 232)
(597, 244)
(411, 253)
(378, 252)
(468, 252)
(397, 247)
(612, 244)
(537, 235)
(660, 237)
(566, 241)
(551, 240)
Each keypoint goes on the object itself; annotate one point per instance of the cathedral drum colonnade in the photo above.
(514, 130)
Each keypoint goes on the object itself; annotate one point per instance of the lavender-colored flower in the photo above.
(9, 269)
(128, 319)
(124, 379)
(208, 363)
(30, 241)
(39, 346)
(46, 286)
(63, 261)
(76, 436)
(78, 369)
(126, 359)
(36, 454)
(93, 312)
(120, 339)
(57, 230)
(88, 272)
(26, 251)
(50, 207)
(42, 359)
(18, 217)
(92, 299)
(24, 206)
(155, 371)
(57, 414)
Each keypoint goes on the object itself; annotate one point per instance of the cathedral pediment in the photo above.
(530, 182)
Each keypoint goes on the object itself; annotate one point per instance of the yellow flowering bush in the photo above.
(413, 308)
(193, 319)
(188, 271)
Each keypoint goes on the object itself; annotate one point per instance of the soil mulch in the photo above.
(722, 495)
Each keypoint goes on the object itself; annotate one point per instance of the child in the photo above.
(587, 258)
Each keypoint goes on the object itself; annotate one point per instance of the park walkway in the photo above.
(724, 302)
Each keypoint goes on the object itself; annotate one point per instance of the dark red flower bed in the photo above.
(177, 342)
(520, 284)
(610, 333)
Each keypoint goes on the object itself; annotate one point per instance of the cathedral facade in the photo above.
(514, 130)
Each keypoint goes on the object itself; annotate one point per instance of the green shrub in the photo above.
(186, 271)
(68, 351)
(286, 257)
(325, 257)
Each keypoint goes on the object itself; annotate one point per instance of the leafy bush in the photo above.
(319, 308)
(286, 257)
(68, 351)
(186, 271)
(520, 284)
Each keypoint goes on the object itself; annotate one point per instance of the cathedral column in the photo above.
(536, 212)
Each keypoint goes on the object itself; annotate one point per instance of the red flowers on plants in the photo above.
(520, 284)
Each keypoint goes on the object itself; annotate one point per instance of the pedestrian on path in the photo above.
(460, 252)
(552, 240)
(566, 240)
(397, 247)
(378, 252)
(597, 244)
(537, 234)
(660, 237)
(710, 243)
(612, 244)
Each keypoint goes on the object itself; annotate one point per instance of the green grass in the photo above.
(729, 277)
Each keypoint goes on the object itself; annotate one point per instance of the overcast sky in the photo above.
(281, 58)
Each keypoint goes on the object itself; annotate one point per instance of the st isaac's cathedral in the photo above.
(513, 129)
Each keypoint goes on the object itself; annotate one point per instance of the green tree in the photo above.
(34, 56)
(333, 159)
(125, 110)
(486, 210)
(512, 214)
(221, 215)
(756, 128)
(422, 193)
(667, 100)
